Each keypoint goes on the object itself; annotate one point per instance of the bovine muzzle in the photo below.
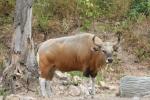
(110, 60)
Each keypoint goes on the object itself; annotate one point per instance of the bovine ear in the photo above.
(96, 48)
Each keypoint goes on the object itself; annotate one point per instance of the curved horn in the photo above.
(118, 33)
(116, 45)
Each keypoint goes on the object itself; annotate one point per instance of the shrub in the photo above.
(72, 12)
(139, 7)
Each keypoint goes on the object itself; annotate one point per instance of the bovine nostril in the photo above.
(110, 60)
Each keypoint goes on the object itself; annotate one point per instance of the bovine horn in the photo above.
(116, 45)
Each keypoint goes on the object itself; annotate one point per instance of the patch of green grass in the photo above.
(76, 73)
(99, 78)
(2, 92)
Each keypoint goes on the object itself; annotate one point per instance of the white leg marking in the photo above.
(48, 88)
(93, 87)
(37, 58)
(42, 82)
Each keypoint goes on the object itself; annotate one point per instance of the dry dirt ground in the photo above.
(105, 90)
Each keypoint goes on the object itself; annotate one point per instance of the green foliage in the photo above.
(99, 78)
(88, 8)
(91, 10)
(88, 11)
(139, 7)
(85, 11)
(54, 14)
(105, 6)
(41, 13)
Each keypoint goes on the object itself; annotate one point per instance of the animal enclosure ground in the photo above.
(107, 85)
(106, 88)
(106, 91)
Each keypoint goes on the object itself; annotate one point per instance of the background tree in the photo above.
(22, 60)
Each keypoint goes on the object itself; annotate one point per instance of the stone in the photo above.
(60, 75)
(111, 87)
(65, 82)
(1, 97)
(74, 91)
(84, 90)
(136, 98)
(76, 80)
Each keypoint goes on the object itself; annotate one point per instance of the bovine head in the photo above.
(105, 47)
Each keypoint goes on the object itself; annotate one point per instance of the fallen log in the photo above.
(132, 86)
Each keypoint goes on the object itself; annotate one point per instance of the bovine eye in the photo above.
(104, 51)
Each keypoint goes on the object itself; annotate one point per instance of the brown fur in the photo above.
(72, 53)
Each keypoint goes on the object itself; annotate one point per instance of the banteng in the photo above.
(82, 52)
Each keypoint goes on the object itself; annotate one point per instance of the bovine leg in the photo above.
(42, 82)
(93, 87)
(48, 88)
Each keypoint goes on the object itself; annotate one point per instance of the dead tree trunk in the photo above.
(22, 59)
(131, 86)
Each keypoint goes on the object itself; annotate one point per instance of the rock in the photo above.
(112, 87)
(74, 91)
(131, 86)
(1, 98)
(107, 86)
(136, 98)
(61, 88)
(102, 83)
(147, 96)
(84, 89)
(65, 83)
(60, 75)
(76, 80)
(68, 75)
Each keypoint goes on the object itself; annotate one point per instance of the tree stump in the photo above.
(131, 86)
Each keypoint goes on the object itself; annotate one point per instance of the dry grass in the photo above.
(5, 42)
(137, 40)
(121, 7)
